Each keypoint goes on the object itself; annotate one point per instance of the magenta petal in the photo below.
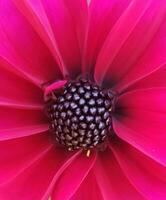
(18, 154)
(61, 16)
(146, 175)
(135, 24)
(73, 176)
(152, 59)
(54, 86)
(156, 78)
(89, 189)
(69, 17)
(152, 99)
(79, 13)
(34, 181)
(70, 157)
(102, 16)
(37, 17)
(141, 121)
(19, 122)
(112, 181)
(154, 148)
(17, 90)
(22, 47)
(11, 133)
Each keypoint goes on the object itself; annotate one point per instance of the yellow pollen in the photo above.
(69, 149)
(88, 153)
(110, 109)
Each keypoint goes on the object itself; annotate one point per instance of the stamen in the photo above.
(88, 153)
(110, 109)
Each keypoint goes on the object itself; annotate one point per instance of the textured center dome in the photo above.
(80, 115)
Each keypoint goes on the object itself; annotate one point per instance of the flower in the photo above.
(121, 46)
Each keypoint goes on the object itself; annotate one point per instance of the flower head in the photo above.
(82, 97)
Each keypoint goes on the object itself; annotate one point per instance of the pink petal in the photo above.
(152, 99)
(141, 121)
(111, 180)
(146, 175)
(62, 16)
(140, 21)
(79, 13)
(37, 17)
(157, 78)
(102, 17)
(19, 122)
(22, 47)
(34, 181)
(18, 154)
(150, 60)
(89, 189)
(69, 160)
(54, 86)
(18, 91)
(73, 176)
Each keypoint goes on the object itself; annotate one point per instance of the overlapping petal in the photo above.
(61, 24)
(19, 154)
(16, 91)
(141, 119)
(65, 34)
(88, 189)
(22, 48)
(151, 80)
(72, 178)
(18, 122)
(33, 181)
(102, 17)
(128, 40)
(112, 181)
(121, 43)
(153, 58)
(146, 175)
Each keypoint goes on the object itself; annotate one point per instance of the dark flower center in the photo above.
(80, 115)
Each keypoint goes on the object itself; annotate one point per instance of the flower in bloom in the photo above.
(82, 100)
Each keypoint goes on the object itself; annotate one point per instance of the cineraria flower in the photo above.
(82, 100)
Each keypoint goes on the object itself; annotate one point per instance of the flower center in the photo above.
(80, 115)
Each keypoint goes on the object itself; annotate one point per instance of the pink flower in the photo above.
(121, 44)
